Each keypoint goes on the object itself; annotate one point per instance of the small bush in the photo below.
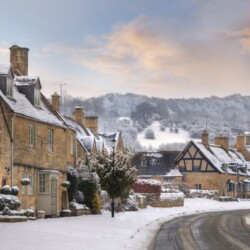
(6, 211)
(15, 190)
(149, 134)
(96, 204)
(79, 197)
(6, 190)
(10, 201)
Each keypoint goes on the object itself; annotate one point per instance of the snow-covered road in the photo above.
(130, 230)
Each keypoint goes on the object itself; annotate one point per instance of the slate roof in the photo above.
(157, 163)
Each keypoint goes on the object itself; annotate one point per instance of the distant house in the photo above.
(154, 165)
(215, 167)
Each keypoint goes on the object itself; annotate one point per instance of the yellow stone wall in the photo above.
(39, 155)
(5, 149)
(71, 158)
(91, 122)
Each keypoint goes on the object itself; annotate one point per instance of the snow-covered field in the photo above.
(130, 230)
(162, 137)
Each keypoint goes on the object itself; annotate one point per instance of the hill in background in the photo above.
(133, 114)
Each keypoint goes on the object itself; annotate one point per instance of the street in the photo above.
(217, 231)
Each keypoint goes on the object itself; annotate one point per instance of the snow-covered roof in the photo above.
(27, 80)
(154, 154)
(4, 69)
(21, 105)
(220, 158)
(108, 137)
(85, 136)
(174, 173)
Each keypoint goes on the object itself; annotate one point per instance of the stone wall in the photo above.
(39, 155)
(168, 203)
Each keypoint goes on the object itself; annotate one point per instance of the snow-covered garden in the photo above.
(128, 230)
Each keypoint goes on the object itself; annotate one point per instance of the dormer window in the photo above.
(9, 87)
(37, 98)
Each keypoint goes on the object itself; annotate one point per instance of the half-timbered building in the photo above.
(214, 167)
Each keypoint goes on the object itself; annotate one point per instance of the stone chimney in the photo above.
(240, 142)
(91, 122)
(248, 140)
(79, 115)
(223, 142)
(55, 99)
(19, 60)
(205, 138)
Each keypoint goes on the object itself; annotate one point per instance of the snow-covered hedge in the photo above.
(130, 204)
(10, 201)
(147, 186)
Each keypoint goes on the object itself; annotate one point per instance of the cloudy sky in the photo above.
(163, 48)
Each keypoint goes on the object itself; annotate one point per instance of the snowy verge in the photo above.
(127, 230)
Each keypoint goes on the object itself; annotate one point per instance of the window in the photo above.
(37, 97)
(24, 187)
(144, 162)
(9, 89)
(4, 181)
(43, 183)
(230, 186)
(240, 187)
(197, 186)
(72, 145)
(31, 185)
(181, 169)
(31, 136)
(196, 168)
(50, 140)
(247, 186)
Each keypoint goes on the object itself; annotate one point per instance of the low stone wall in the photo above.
(168, 203)
(13, 219)
(210, 194)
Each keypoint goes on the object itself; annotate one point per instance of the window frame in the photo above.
(230, 186)
(43, 182)
(24, 187)
(31, 185)
(9, 87)
(37, 97)
(198, 186)
(31, 135)
(50, 140)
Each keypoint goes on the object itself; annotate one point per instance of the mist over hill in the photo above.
(132, 113)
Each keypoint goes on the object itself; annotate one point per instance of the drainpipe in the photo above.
(12, 149)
